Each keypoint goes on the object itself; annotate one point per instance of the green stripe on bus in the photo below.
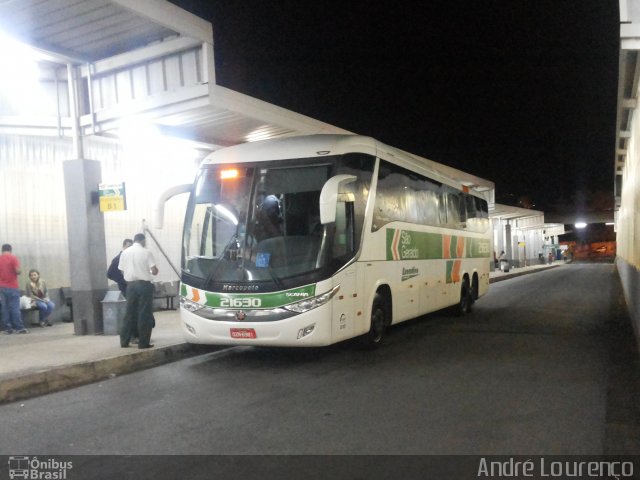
(477, 248)
(410, 245)
(255, 300)
(453, 246)
(449, 271)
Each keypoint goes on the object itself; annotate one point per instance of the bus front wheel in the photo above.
(373, 338)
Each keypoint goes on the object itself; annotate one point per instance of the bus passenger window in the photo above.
(453, 210)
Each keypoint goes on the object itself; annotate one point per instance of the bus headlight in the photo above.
(190, 306)
(313, 302)
(303, 332)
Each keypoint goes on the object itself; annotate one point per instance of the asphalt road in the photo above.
(527, 372)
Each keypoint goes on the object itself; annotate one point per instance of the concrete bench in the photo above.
(167, 291)
(66, 300)
(30, 316)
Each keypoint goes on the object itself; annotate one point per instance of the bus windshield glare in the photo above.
(256, 226)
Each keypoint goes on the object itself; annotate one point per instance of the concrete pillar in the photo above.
(508, 241)
(87, 257)
(495, 241)
(498, 236)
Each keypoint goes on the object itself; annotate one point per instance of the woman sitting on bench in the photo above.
(36, 289)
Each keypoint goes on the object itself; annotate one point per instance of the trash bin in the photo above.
(504, 265)
(114, 306)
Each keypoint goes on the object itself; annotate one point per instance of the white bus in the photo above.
(308, 241)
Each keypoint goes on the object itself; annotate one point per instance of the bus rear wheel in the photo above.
(466, 299)
(374, 337)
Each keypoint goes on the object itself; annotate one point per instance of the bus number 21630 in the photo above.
(240, 302)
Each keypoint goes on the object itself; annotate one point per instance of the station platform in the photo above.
(498, 275)
(53, 358)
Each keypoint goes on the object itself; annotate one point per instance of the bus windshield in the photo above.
(256, 226)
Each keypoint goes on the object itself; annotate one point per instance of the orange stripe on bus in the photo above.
(460, 249)
(455, 274)
(446, 246)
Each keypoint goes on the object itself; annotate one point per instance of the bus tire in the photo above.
(475, 287)
(466, 299)
(374, 337)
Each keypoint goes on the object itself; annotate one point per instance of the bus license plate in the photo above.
(243, 333)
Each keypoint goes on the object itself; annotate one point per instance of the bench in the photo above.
(30, 316)
(167, 291)
(65, 299)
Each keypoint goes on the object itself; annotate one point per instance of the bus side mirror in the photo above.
(166, 195)
(329, 196)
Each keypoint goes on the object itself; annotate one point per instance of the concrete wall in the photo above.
(630, 279)
(628, 226)
(628, 162)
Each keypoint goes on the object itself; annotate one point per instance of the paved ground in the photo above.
(52, 359)
(529, 372)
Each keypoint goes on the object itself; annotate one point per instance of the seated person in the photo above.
(268, 219)
(36, 289)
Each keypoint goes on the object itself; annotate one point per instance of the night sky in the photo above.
(520, 92)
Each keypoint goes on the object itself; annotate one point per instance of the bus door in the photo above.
(348, 298)
(346, 303)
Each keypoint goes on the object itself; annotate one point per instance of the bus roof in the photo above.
(328, 144)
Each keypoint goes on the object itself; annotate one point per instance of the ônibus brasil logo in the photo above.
(36, 469)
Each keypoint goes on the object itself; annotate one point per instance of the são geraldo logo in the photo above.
(402, 247)
(407, 249)
(38, 469)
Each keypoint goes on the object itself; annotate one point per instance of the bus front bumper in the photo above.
(309, 329)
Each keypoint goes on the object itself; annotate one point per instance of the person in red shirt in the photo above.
(10, 291)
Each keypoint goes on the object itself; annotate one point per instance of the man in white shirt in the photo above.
(138, 267)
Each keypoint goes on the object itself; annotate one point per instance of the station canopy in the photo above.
(142, 59)
(108, 64)
(524, 219)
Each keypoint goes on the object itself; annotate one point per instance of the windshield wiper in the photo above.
(233, 241)
(274, 278)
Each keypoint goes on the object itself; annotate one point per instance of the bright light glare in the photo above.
(229, 173)
(227, 214)
(581, 225)
(20, 88)
(261, 133)
(162, 160)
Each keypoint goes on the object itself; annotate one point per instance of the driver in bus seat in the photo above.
(268, 218)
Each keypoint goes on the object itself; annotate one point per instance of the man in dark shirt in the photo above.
(114, 273)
